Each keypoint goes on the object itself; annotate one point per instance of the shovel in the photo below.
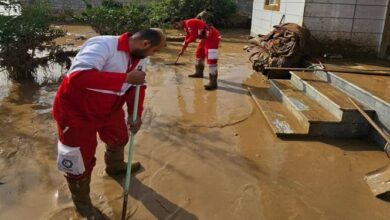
(379, 179)
(175, 63)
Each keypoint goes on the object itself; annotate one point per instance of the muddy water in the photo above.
(205, 155)
(378, 86)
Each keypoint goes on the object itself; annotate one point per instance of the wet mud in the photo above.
(204, 155)
(378, 86)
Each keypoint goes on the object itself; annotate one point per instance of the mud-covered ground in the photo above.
(205, 155)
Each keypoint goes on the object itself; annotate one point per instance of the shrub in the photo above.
(112, 18)
(26, 41)
(220, 10)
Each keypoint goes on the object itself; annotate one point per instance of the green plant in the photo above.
(115, 18)
(112, 18)
(157, 13)
(220, 10)
(26, 41)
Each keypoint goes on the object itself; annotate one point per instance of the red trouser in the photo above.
(113, 132)
(208, 48)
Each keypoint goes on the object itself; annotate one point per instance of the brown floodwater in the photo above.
(205, 155)
(378, 86)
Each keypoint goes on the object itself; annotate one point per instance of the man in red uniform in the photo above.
(207, 47)
(90, 101)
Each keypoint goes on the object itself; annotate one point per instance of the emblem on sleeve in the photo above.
(67, 163)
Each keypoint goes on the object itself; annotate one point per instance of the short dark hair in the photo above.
(150, 34)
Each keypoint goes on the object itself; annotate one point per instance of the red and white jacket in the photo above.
(198, 29)
(94, 87)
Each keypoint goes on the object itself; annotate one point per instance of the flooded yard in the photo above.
(205, 155)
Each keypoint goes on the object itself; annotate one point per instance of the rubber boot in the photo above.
(213, 85)
(199, 69)
(80, 196)
(115, 164)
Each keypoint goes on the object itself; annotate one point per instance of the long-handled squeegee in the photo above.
(176, 62)
(130, 152)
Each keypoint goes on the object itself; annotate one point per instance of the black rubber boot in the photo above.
(115, 164)
(80, 196)
(213, 85)
(199, 69)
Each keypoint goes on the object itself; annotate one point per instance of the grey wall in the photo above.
(358, 21)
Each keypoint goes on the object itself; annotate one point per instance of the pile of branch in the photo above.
(283, 47)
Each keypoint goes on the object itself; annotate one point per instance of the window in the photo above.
(273, 5)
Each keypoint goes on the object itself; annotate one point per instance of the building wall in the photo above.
(357, 21)
(263, 20)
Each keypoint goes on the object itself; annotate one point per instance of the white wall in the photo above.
(360, 21)
(264, 20)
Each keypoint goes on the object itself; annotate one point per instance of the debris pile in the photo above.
(283, 47)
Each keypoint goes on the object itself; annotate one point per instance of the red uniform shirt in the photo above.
(95, 86)
(197, 29)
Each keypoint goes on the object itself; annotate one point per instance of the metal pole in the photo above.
(130, 153)
(365, 72)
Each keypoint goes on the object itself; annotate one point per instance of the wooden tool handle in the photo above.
(177, 59)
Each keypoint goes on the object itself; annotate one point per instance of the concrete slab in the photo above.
(281, 121)
(370, 90)
(378, 86)
(317, 111)
(309, 108)
(332, 94)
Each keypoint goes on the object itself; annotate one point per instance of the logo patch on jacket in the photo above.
(67, 163)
